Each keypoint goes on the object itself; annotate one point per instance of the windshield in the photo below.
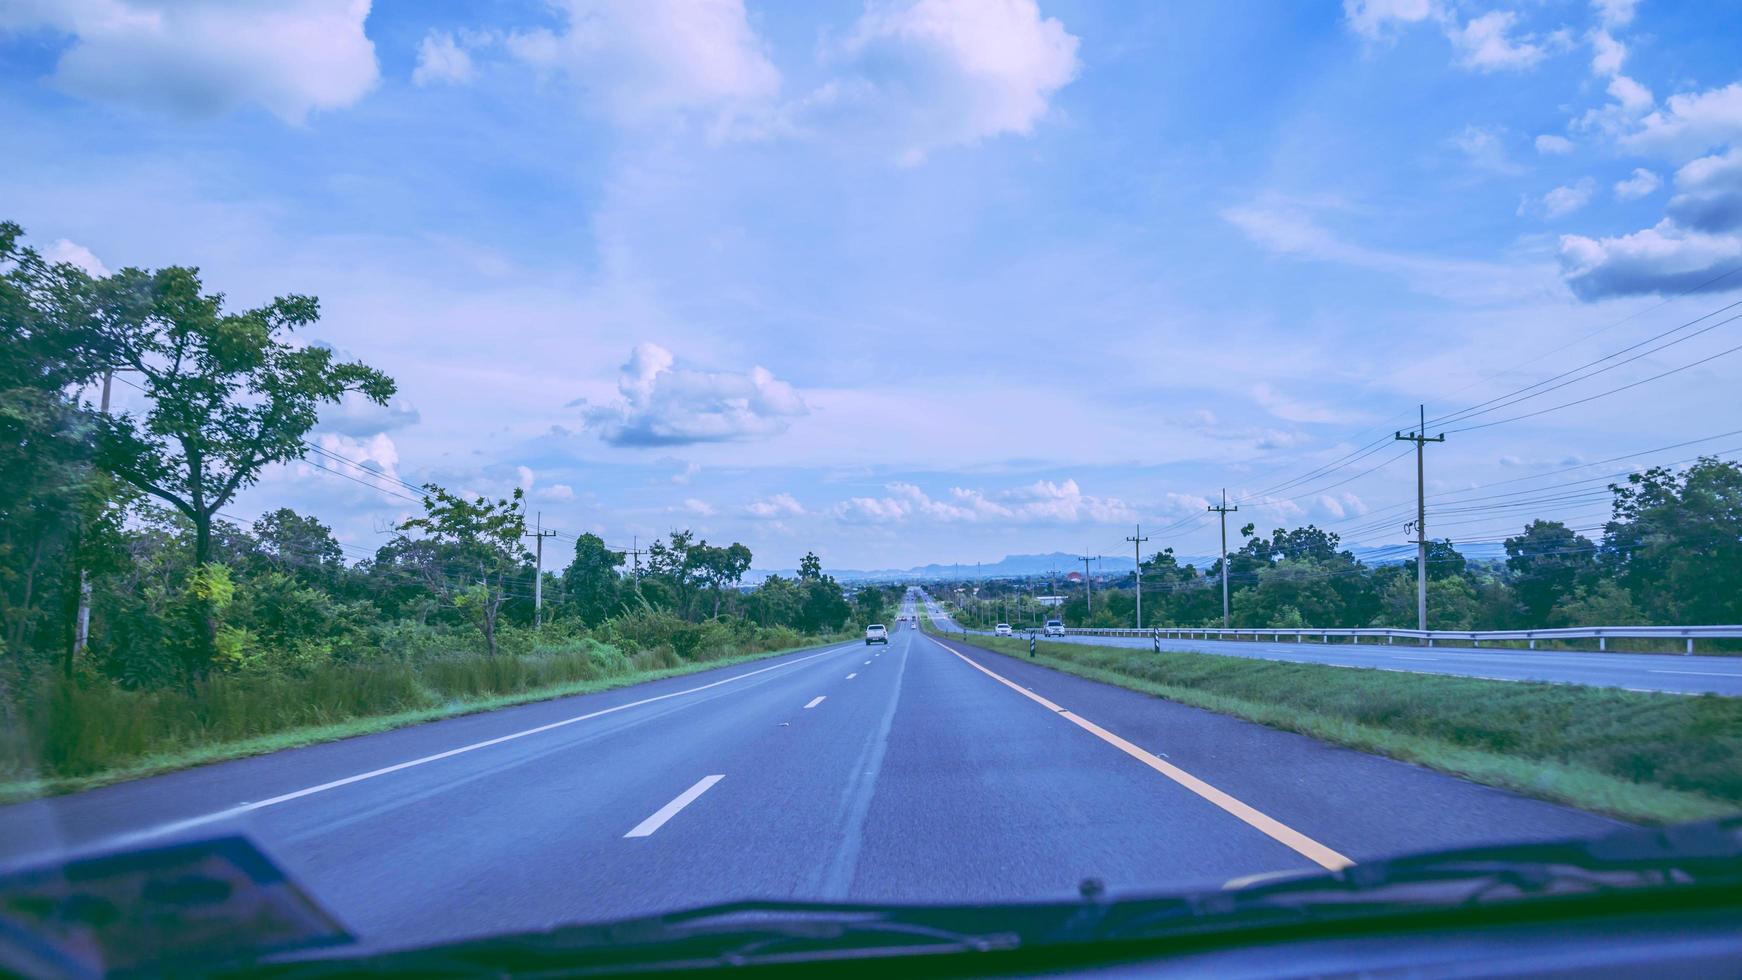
(472, 452)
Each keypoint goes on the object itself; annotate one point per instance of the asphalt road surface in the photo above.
(1660, 672)
(916, 771)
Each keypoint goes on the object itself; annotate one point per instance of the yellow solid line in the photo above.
(1283, 834)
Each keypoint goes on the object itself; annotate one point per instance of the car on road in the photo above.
(1055, 627)
(1002, 629)
(876, 633)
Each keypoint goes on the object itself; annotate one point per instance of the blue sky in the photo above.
(925, 281)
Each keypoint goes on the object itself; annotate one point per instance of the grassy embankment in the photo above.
(75, 736)
(1653, 758)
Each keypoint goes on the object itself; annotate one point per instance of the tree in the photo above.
(777, 601)
(1294, 592)
(1548, 561)
(300, 546)
(718, 569)
(810, 567)
(1443, 561)
(58, 513)
(229, 393)
(670, 569)
(591, 581)
(1676, 543)
(482, 549)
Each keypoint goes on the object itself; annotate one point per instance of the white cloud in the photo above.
(1292, 410)
(1608, 53)
(1486, 149)
(1691, 123)
(374, 454)
(1549, 143)
(1640, 183)
(524, 477)
(440, 59)
(1486, 44)
(1372, 18)
(1566, 199)
(1662, 259)
(356, 415)
(700, 508)
(1710, 193)
(779, 505)
(1041, 502)
(72, 253)
(1290, 228)
(556, 491)
(666, 405)
(925, 74)
(1632, 96)
(1615, 13)
(643, 58)
(688, 473)
(202, 58)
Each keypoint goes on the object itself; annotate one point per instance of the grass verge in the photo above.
(186, 752)
(1650, 758)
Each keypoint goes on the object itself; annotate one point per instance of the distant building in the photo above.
(1050, 600)
(1074, 577)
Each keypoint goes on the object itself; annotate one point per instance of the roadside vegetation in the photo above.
(143, 625)
(1670, 553)
(1651, 758)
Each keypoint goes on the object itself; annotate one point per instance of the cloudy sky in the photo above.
(939, 280)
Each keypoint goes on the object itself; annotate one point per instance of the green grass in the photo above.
(78, 736)
(1652, 758)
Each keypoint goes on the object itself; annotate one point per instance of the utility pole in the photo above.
(539, 534)
(635, 554)
(1420, 438)
(82, 627)
(1224, 510)
(1089, 583)
(1137, 548)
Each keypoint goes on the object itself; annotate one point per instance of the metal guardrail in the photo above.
(1602, 634)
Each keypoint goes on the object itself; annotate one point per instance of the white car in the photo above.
(1002, 629)
(1055, 627)
(876, 633)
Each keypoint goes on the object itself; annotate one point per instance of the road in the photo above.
(1657, 672)
(916, 771)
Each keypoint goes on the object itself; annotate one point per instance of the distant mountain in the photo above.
(1063, 563)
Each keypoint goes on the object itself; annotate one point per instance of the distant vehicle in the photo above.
(1055, 628)
(876, 633)
(1002, 629)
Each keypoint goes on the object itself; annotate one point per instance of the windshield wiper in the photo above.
(1627, 862)
(722, 935)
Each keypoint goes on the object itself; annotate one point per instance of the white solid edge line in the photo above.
(236, 811)
(646, 827)
(816, 701)
(1697, 673)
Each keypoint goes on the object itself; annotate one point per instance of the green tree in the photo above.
(778, 601)
(58, 514)
(1296, 591)
(718, 569)
(482, 550)
(1675, 543)
(591, 581)
(1605, 602)
(1548, 561)
(229, 394)
(300, 546)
